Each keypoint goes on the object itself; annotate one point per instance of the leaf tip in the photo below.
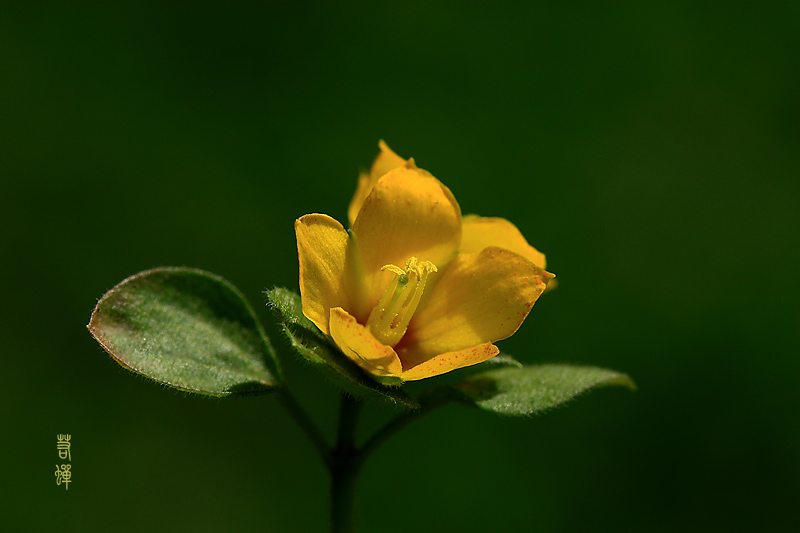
(622, 380)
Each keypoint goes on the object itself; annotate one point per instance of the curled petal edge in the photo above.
(358, 344)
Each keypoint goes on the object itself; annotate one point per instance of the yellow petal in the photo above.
(408, 213)
(385, 161)
(449, 361)
(480, 232)
(357, 343)
(322, 245)
(480, 298)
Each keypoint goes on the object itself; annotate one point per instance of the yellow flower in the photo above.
(414, 289)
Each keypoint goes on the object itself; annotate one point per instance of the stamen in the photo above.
(389, 320)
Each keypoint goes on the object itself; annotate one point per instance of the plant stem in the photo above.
(343, 467)
(306, 424)
(347, 460)
(428, 402)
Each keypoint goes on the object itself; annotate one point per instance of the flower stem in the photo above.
(347, 460)
(429, 402)
(306, 424)
(343, 467)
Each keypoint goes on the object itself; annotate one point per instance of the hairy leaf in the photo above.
(534, 389)
(188, 329)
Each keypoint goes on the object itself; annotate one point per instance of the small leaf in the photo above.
(308, 341)
(535, 389)
(188, 329)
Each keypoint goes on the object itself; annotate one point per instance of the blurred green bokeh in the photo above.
(651, 150)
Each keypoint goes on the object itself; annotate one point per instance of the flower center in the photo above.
(389, 320)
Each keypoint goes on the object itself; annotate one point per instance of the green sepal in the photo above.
(534, 389)
(188, 329)
(315, 347)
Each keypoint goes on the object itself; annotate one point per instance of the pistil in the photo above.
(389, 320)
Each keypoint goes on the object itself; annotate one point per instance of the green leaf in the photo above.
(535, 389)
(188, 329)
(311, 344)
(499, 361)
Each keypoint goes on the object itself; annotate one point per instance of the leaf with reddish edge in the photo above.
(188, 329)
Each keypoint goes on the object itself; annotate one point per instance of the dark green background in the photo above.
(650, 149)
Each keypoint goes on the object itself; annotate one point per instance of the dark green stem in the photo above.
(347, 460)
(428, 402)
(306, 424)
(343, 473)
